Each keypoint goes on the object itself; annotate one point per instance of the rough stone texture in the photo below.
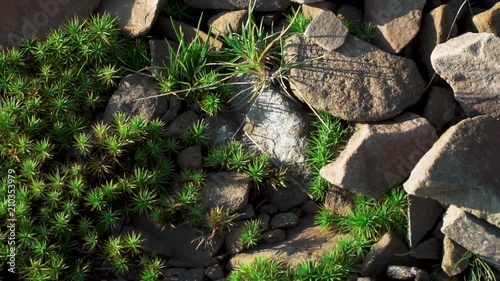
(368, 167)
(181, 123)
(452, 254)
(287, 146)
(358, 82)
(21, 19)
(430, 249)
(434, 30)
(174, 105)
(397, 22)
(228, 190)
(389, 250)
(284, 220)
(303, 242)
(222, 128)
(260, 5)
(422, 216)
(214, 272)
(440, 107)
(233, 241)
(195, 274)
(462, 169)
(339, 201)
(190, 158)
(246, 213)
(131, 88)
(224, 22)
(168, 27)
(273, 236)
(476, 235)
(489, 21)
(312, 9)
(327, 31)
(398, 272)
(310, 207)
(135, 17)
(160, 55)
(470, 63)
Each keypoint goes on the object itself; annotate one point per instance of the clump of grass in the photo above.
(176, 9)
(196, 134)
(298, 21)
(364, 31)
(261, 268)
(251, 232)
(477, 269)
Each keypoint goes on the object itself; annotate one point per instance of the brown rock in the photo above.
(339, 201)
(190, 158)
(327, 31)
(453, 262)
(488, 21)
(224, 22)
(312, 9)
(228, 190)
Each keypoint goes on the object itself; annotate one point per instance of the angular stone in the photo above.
(284, 220)
(397, 22)
(310, 207)
(195, 274)
(259, 5)
(224, 22)
(358, 82)
(489, 21)
(246, 213)
(327, 31)
(273, 236)
(339, 201)
(422, 216)
(473, 234)
(135, 17)
(181, 123)
(233, 241)
(430, 249)
(462, 169)
(453, 262)
(399, 272)
(222, 128)
(440, 107)
(470, 63)
(190, 158)
(214, 272)
(310, 10)
(228, 190)
(160, 55)
(366, 165)
(126, 98)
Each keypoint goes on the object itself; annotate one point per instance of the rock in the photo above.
(310, 207)
(490, 3)
(125, 98)
(268, 209)
(286, 147)
(214, 272)
(327, 31)
(440, 107)
(190, 158)
(135, 17)
(461, 169)
(434, 30)
(222, 128)
(181, 123)
(351, 13)
(168, 27)
(233, 241)
(306, 1)
(29, 19)
(389, 250)
(310, 10)
(151, 242)
(470, 63)
(284, 220)
(195, 274)
(406, 273)
(339, 201)
(489, 21)
(422, 216)
(228, 190)
(273, 236)
(246, 213)
(306, 241)
(475, 235)
(224, 22)
(264, 221)
(453, 262)
(170, 272)
(260, 5)
(174, 105)
(358, 82)
(428, 250)
(366, 166)
(397, 22)
(160, 56)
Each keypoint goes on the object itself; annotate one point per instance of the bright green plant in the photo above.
(258, 169)
(177, 9)
(196, 134)
(477, 269)
(298, 21)
(251, 232)
(364, 31)
(261, 268)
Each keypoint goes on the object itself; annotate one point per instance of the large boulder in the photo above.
(380, 156)
(357, 82)
(260, 5)
(462, 169)
(470, 63)
(397, 22)
(475, 235)
(21, 19)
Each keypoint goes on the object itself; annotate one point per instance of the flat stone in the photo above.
(224, 22)
(228, 190)
(397, 22)
(284, 220)
(462, 169)
(470, 63)
(475, 235)
(358, 82)
(422, 216)
(453, 262)
(488, 21)
(366, 166)
(327, 31)
(259, 5)
(180, 124)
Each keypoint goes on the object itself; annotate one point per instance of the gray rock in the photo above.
(284, 220)
(440, 107)
(462, 169)
(190, 158)
(170, 272)
(406, 273)
(181, 123)
(339, 201)
(310, 207)
(160, 55)
(233, 241)
(389, 250)
(224, 22)
(327, 31)
(475, 235)
(246, 213)
(264, 221)
(274, 236)
(125, 98)
(269, 209)
(470, 63)
(260, 5)
(228, 190)
(397, 22)
(453, 262)
(135, 17)
(195, 274)
(214, 272)
(422, 216)
(366, 165)
(222, 128)
(358, 82)
(430, 249)
(174, 105)
(29, 19)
